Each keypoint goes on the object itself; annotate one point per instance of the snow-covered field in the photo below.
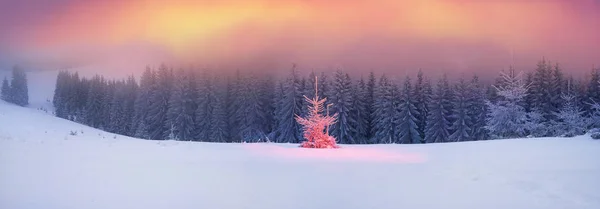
(43, 166)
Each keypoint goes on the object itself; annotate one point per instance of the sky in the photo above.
(390, 36)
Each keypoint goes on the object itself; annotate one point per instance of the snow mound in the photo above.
(47, 162)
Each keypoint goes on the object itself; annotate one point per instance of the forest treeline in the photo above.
(194, 105)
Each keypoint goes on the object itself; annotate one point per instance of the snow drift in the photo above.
(47, 162)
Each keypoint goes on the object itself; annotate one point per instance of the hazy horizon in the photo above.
(393, 37)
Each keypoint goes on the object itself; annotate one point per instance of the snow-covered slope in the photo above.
(43, 166)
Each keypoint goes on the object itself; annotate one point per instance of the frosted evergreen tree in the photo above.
(288, 130)
(235, 100)
(370, 104)
(315, 124)
(408, 130)
(159, 105)
(109, 92)
(359, 112)
(180, 115)
(117, 121)
(253, 112)
(558, 87)
(58, 100)
(593, 90)
(507, 118)
(19, 93)
(594, 111)
(94, 111)
(385, 113)
(422, 96)
(528, 101)
(141, 119)
(595, 116)
(268, 99)
(218, 127)
(570, 117)
(461, 127)
(5, 92)
(341, 100)
(309, 91)
(206, 98)
(278, 110)
(477, 110)
(437, 118)
(541, 94)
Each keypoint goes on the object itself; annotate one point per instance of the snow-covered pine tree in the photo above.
(541, 90)
(5, 92)
(595, 116)
(437, 119)
(58, 100)
(180, 115)
(117, 121)
(268, 99)
(558, 87)
(309, 91)
(109, 92)
(461, 127)
(370, 102)
(218, 127)
(288, 130)
(252, 111)
(78, 90)
(593, 90)
(19, 93)
(159, 105)
(422, 96)
(477, 110)
(385, 112)
(234, 102)
(205, 101)
(141, 120)
(94, 109)
(407, 121)
(131, 89)
(594, 111)
(341, 104)
(315, 123)
(359, 112)
(507, 118)
(570, 116)
(528, 101)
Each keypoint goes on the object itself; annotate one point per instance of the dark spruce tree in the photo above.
(19, 93)
(290, 105)
(159, 104)
(5, 92)
(141, 120)
(408, 130)
(385, 112)
(422, 96)
(182, 105)
(94, 112)
(341, 104)
(253, 114)
(477, 110)
(461, 127)
(438, 125)
(359, 112)
(370, 104)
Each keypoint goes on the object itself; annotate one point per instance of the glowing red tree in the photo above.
(316, 125)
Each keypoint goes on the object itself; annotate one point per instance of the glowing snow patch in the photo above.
(344, 154)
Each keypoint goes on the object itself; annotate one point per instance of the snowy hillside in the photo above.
(43, 166)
